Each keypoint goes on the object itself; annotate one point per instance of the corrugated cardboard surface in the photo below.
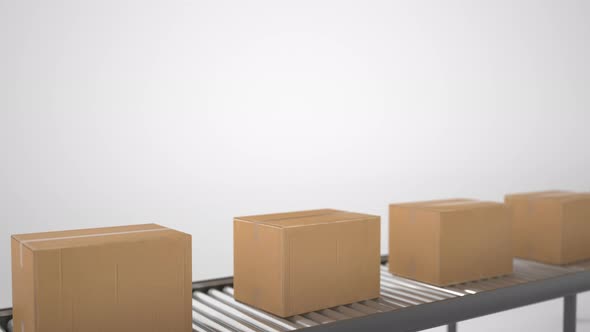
(297, 262)
(130, 278)
(449, 241)
(551, 226)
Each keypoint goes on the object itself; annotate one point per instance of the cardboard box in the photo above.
(552, 226)
(131, 278)
(449, 241)
(292, 263)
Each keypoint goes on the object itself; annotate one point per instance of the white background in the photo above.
(187, 113)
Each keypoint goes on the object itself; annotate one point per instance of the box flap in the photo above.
(305, 218)
(431, 202)
(448, 204)
(573, 197)
(92, 236)
(461, 205)
(286, 215)
(552, 195)
(557, 196)
(533, 194)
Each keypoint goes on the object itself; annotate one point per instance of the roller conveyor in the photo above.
(404, 305)
(6, 320)
(408, 305)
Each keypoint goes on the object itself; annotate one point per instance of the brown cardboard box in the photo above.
(449, 241)
(551, 226)
(130, 278)
(292, 263)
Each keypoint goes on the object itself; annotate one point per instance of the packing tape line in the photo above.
(456, 203)
(84, 236)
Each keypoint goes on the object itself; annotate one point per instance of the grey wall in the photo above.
(188, 113)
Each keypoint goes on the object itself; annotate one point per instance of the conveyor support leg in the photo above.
(569, 313)
(452, 327)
